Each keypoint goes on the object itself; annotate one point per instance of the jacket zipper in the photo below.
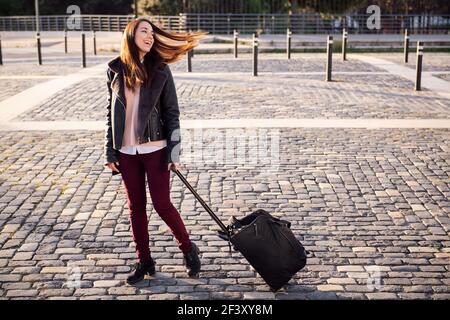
(159, 117)
(149, 133)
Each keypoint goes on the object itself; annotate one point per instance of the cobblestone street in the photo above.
(371, 204)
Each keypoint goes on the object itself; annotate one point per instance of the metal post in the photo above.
(192, 50)
(235, 42)
(38, 40)
(406, 49)
(1, 58)
(65, 40)
(38, 37)
(288, 49)
(419, 66)
(344, 44)
(83, 50)
(36, 9)
(95, 43)
(255, 54)
(329, 57)
(189, 61)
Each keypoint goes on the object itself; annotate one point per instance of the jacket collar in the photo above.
(148, 96)
(115, 65)
(118, 83)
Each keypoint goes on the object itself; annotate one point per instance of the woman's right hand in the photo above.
(113, 166)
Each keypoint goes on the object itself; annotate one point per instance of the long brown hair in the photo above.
(162, 51)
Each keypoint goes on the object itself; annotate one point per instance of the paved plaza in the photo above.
(359, 165)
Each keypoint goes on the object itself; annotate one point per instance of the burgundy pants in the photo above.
(134, 168)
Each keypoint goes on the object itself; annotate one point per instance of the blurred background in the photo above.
(221, 17)
(170, 7)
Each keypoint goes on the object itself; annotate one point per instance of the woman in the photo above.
(142, 135)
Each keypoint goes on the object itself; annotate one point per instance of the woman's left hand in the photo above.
(174, 164)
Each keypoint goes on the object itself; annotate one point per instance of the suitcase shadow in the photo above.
(200, 288)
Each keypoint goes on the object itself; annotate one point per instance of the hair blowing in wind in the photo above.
(168, 47)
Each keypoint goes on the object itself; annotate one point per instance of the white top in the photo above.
(141, 148)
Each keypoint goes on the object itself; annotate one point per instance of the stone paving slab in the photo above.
(438, 86)
(361, 123)
(11, 87)
(372, 205)
(73, 62)
(432, 61)
(358, 199)
(443, 76)
(26, 69)
(244, 96)
(270, 63)
(74, 103)
(31, 97)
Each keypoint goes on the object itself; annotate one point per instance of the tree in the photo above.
(10, 8)
(59, 7)
(160, 7)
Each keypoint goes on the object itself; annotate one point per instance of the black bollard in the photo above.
(1, 58)
(235, 42)
(192, 50)
(83, 50)
(255, 55)
(38, 40)
(344, 44)
(419, 66)
(65, 40)
(189, 61)
(329, 57)
(406, 48)
(95, 43)
(288, 49)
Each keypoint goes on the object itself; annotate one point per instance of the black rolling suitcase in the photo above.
(265, 241)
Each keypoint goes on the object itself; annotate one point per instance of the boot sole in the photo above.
(152, 273)
(195, 275)
(135, 281)
(142, 278)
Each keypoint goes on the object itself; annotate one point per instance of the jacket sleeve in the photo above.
(109, 152)
(171, 117)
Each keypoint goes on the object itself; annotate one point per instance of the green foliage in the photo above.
(174, 7)
(59, 7)
(160, 7)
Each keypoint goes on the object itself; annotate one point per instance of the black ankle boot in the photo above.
(192, 261)
(141, 269)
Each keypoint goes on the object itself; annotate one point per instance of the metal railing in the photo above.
(315, 23)
(244, 23)
(86, 22)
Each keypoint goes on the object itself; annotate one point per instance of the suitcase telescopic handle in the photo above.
(207, 208)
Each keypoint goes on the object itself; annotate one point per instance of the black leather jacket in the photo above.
(158, 116)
